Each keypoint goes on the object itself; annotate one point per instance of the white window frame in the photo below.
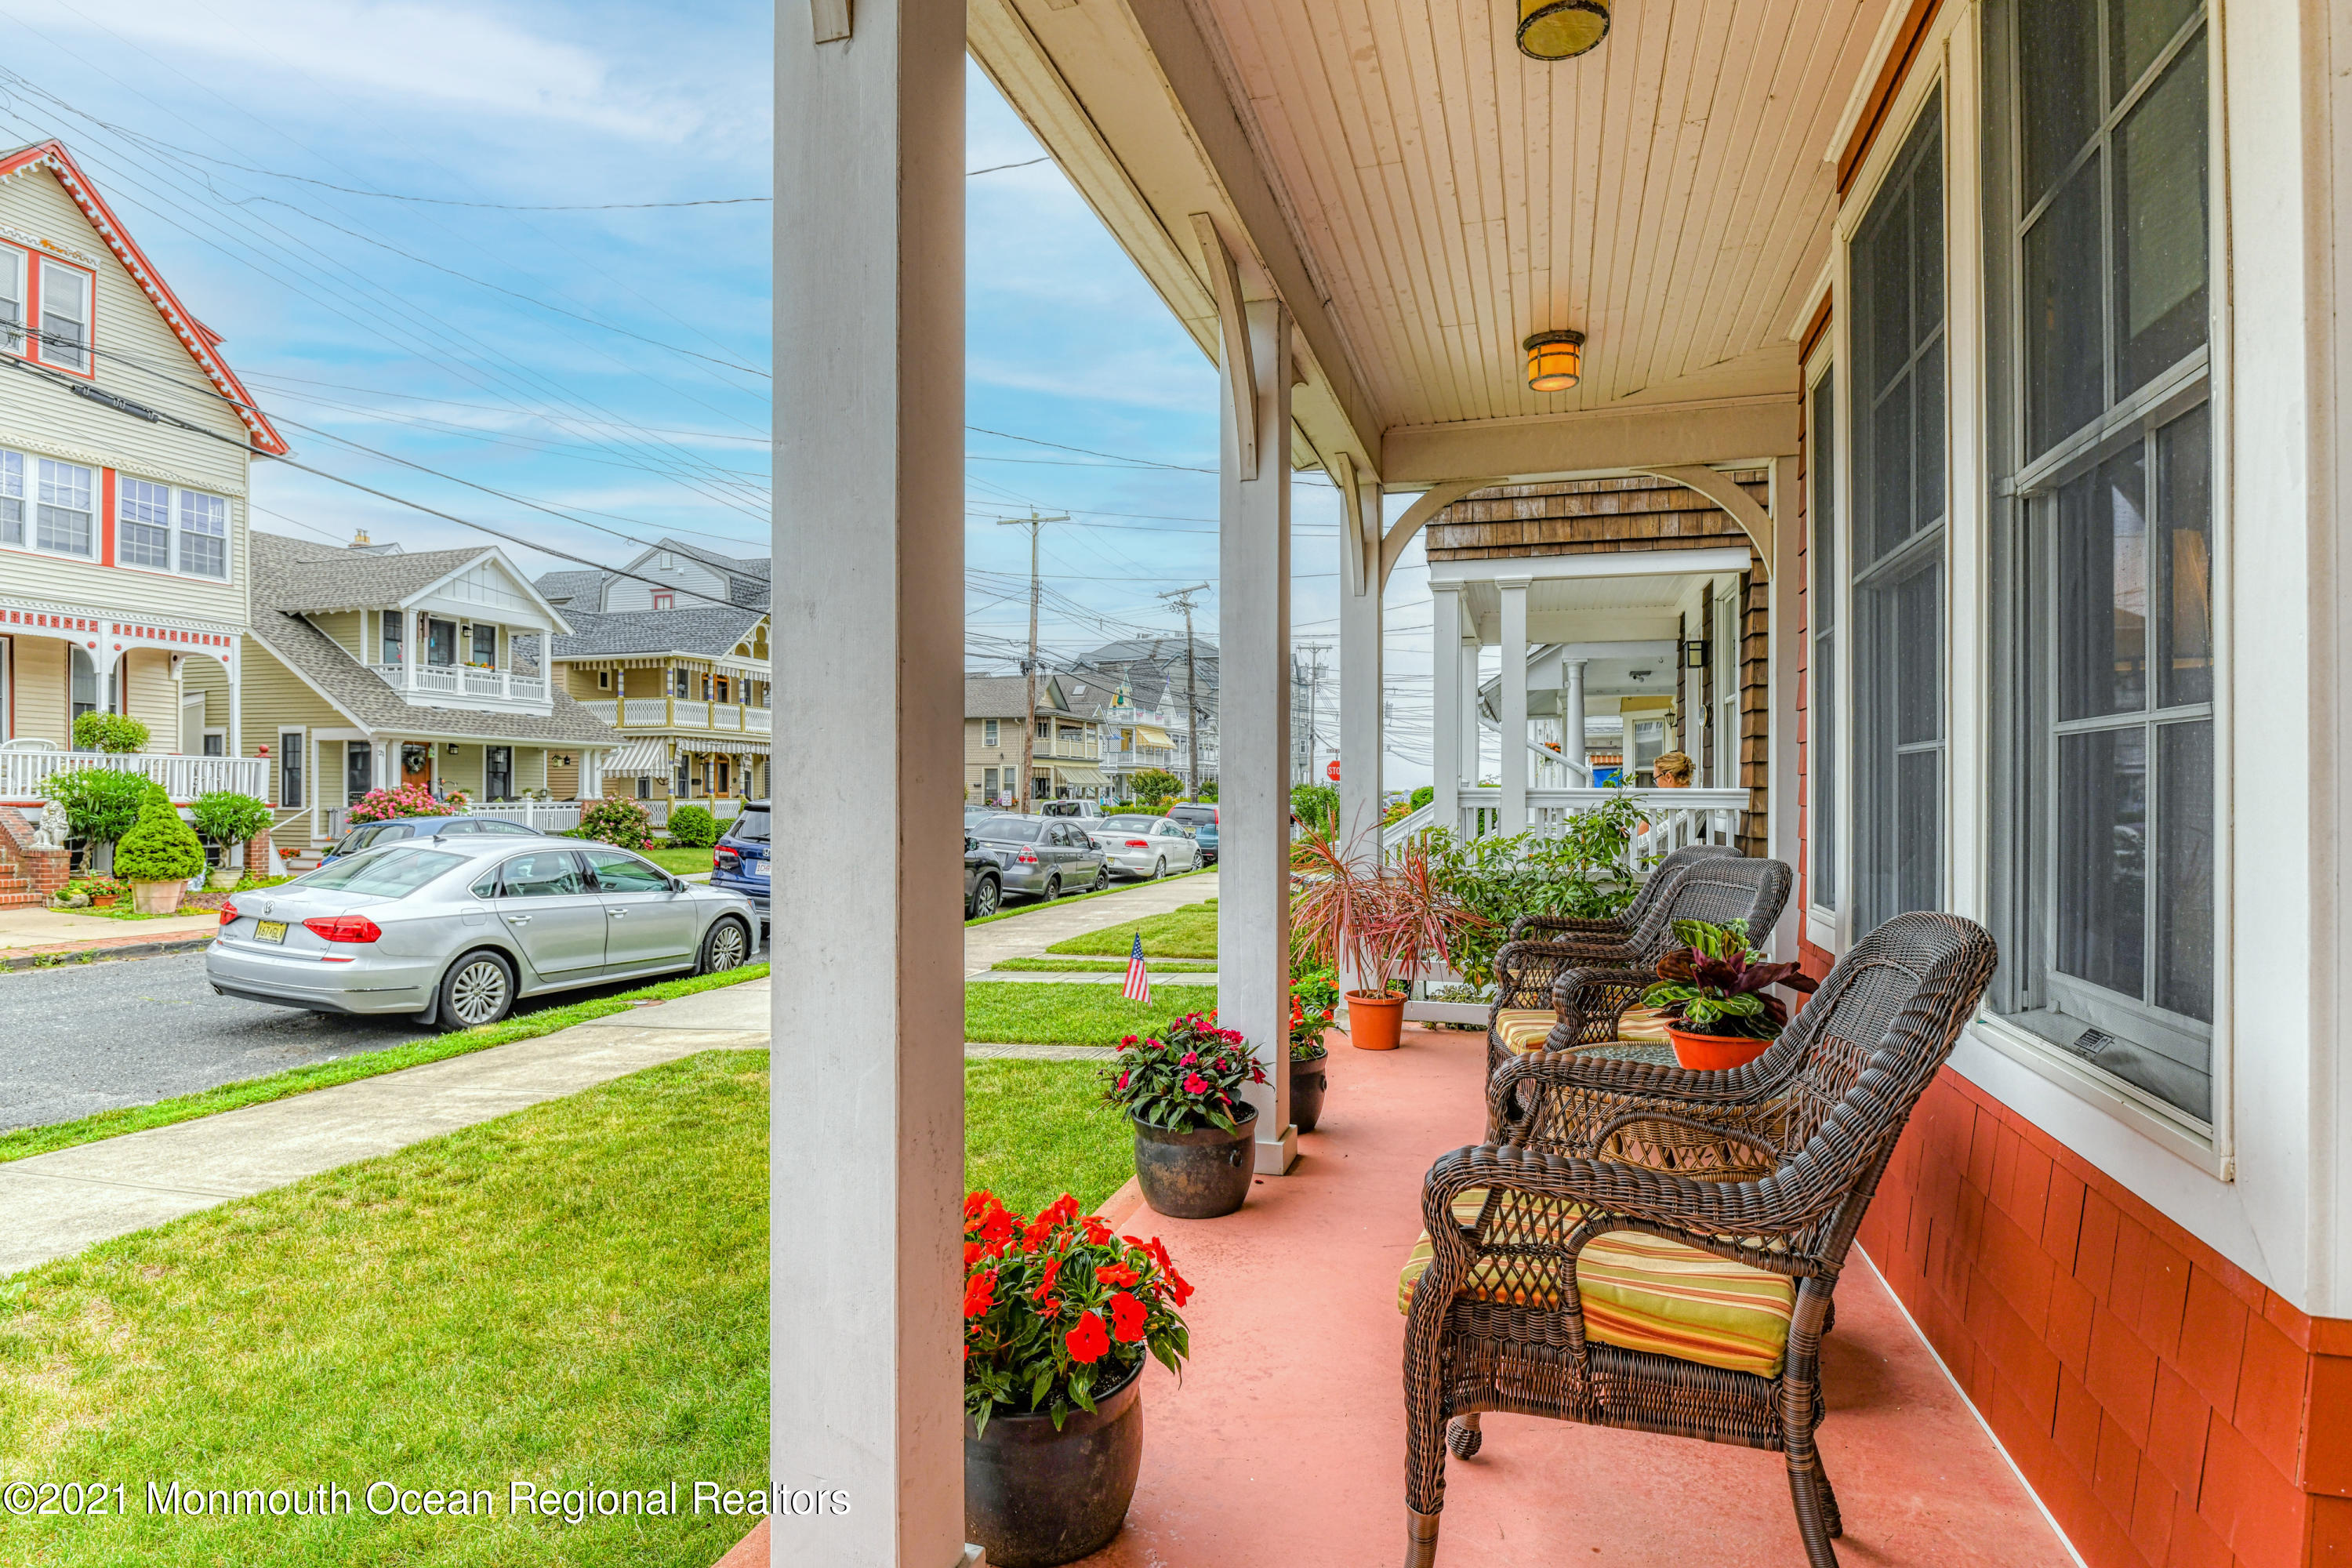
(1822, 928)
(12, 488)
(15, 274)
(988, 733)
(141, 507)
(37, 482)
(45, 269)
(182, 507)
(300, 752)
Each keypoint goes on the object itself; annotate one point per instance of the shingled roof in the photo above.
(296, 575)
(706, 631)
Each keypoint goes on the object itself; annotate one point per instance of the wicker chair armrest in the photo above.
(1733, 1219)
(1560, 1098)
(1525, 970)
(1589, 1001)
(1552, 927)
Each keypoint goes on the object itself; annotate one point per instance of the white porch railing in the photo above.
(682, 713)
(24, 775)
(464, 680)
(659, 810)
(1673, 817)
(540, 816)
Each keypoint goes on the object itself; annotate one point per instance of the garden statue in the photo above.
(53, 830)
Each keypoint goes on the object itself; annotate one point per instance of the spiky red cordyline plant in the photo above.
(1375, 918)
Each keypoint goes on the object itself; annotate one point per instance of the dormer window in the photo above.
(664, 601)
(662, 562)
(65, 316)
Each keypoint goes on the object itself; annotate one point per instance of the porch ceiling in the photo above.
(1424, 197)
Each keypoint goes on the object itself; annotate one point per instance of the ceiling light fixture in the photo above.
(1561, 29)
(1555, 360)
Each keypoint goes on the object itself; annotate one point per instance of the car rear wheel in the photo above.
(986, 894)
(1102, 878)
(478, 989)
(1160, 867)
(1053, 891)
(724, 946)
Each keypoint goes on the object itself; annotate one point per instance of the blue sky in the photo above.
(606, 366)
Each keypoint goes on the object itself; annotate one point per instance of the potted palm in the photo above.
(1314, 997)
(1381, 918)
(1715, 998)
(1182, 1090)
(1058, 1314)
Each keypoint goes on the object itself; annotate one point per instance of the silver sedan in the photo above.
(1146, 847)
(458, 930)
(1042, 857)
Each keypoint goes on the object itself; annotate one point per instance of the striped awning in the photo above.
(1079, 776)
(639, 759)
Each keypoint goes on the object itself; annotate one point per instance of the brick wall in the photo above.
(2168, 1410)
(258, 860)
(46, 870)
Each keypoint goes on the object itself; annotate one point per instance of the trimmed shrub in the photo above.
(613, 820)
(108, 732)
(692, 827)
(1423, 796)
(1155, 787)
(1317, 806)
(101, 803)
(227, 817)
(160, 847)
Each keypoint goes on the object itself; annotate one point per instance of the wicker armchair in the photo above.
(1510, 1311)
(1623, 923)
(1586, 983)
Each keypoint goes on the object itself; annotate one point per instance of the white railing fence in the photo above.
(1671, 818)
(464, 680)
(540, 815)
(25, 774)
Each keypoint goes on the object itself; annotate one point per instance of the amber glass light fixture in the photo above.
(1561, 29)
(1555, 361)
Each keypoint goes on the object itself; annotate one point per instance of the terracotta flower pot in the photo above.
(155, 897)
(1714, 1053)
(1035, 1496)
(1201, 1174)
(1307, 1081)
(1375, 1022)
(102, 900)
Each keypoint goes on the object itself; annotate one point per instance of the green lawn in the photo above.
(1005, 1013)
(1033, 1131)
(1026, 904)
(1186, 932)
(30, 1140)
(1101, 965)
(573, 1296)
(679, 862)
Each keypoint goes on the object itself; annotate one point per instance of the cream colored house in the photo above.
(1065, 754)
(125, 441)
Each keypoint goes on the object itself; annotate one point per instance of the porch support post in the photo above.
(1253, 727)
(1445, 704)
(235, 663)
(1572, 717)
(1474, 746)
(865, 1339)
(1362, 719)
(1513, 754)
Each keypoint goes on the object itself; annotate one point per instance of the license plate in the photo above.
(270, 930)
(759, 869)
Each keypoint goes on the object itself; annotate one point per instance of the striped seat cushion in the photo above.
(1641, 1293)
(1523, 1030)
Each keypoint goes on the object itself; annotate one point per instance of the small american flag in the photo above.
(1138, 983)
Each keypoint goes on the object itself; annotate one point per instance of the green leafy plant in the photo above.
(1579, 870)
(613, 820)
(1314, 998)
(1712, 984)
(101, 803)
(1422, 796)
(1208, 791)
(227, 817)
(160, 847)
(1317, 806)
(1154, 787)
(108, 732)
(692, 827)
(1057, 1307)
(1187, 1077)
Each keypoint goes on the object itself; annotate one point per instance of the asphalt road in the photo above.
(81, 1038)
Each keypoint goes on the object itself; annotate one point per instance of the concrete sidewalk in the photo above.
(1029, 933)
(53, 1205)
(27, 930)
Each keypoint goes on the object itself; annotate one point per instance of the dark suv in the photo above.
(1202, 818)
(739, 862)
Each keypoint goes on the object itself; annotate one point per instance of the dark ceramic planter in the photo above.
(1199, 1174)
(1035, 1496)
(1308, 1079)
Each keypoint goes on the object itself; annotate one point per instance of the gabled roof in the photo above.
(1004, 696)
(563, 587)
(201, 342)
(296, 575)
(705, 631)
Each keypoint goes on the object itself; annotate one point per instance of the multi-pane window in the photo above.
(63, 519)
(1822, 868)
(988, 732)
(1897, 543)
(486, 645)
(290, 746)
(64, 315)
(11, 297)
(142, 523)
(498, 773)
(12, 497)
(391, 621)
(359, 770)
(204, 534)
(2106, 664)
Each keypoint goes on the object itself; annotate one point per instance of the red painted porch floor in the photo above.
(1285, 1441)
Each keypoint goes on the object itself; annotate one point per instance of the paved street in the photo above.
(81, 1038)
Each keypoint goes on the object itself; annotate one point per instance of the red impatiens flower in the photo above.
(1188, 1058)
(1046, 1276)
(1127, 1316)
(979, 1295)
(1123, 1078)
(1115, 1273)
(1196, 1084)
(1087, 1342)
(1097, 1232)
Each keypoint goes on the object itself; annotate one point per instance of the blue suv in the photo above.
(739, 863)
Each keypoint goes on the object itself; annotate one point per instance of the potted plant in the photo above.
(1180, 1090)
(1058, 1313)
(1378, 918)
(1719, 1014)
(158, 857)
(1313, 997)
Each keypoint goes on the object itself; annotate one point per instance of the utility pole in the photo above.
(1033, 523)
(1314, 679)
(1182, 599)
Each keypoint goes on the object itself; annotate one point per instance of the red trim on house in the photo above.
(200, 341)
(37, 349)
(1882, 91)
(106, 517)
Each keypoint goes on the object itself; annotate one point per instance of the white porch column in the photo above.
(1445, 708)
(1254, 732)
(235, 663)
(1363, 696)
(1572, 717)
(1474, 746)
(864, 1337)
(1513, 754)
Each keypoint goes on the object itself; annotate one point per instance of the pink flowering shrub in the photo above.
(407, 800)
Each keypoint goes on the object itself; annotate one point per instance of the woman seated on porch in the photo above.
(1674, 770)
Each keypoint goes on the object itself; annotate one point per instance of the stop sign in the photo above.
(1334, 771)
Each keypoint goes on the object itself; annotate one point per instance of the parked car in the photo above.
(1041, 856)
(739, 861)
(1202, 818)
(1147, 847)
(458, 928)
(1089, 811)
(377, 835)
(983, 883)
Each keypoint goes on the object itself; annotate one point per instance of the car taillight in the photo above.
(1138, 844)
(726, 860)
(1026, 858)
(344, 928)
(228, 912)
